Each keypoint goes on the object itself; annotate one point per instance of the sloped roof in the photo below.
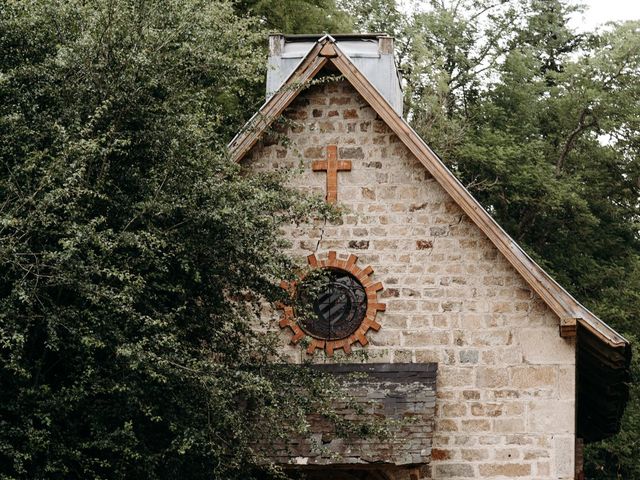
(609, 344)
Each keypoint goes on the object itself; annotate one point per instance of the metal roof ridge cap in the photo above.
(316, 36)
(326, 37)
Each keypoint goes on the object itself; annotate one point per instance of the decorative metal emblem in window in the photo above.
(339, 310)
(339, 307)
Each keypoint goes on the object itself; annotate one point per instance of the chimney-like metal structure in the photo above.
(371, 53)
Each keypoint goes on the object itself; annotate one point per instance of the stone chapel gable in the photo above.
(507, 373)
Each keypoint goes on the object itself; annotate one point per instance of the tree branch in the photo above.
(573, 136)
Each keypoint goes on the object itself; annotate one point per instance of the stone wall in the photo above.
(400, 394)
(506, 379)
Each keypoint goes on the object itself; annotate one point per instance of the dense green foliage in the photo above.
(298, 16)
(134, 256)
(541, 124)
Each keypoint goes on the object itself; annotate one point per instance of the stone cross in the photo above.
(332, 166)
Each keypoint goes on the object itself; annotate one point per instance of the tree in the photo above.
(134, 258)
(447, 51)
(298, 16)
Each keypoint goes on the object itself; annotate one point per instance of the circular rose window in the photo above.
(338, 306)
(335, 305)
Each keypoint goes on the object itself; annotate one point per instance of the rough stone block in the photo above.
(506, 454)
(469, 356)
(543, 469)
(474, 454)
(567, 382)
(487, 377)
(455, 377)
(314, 153)
(448, 470)
(385, 337)
(438, 454)
(454, 410)
(471, 394)
(447, 426)
(418, 338)
(424, 244)
(545, 346)
(536, 454)
(348, 153)
(350, 113)
(534, 377)
(359, 244)
(564, 447)
(486, 409)
(492, 338)
(476, 426)
(429, 355)
(551, 416)
(509, 425)
(509, 470)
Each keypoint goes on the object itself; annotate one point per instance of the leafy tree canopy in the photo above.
(298, 16)
(133, 256)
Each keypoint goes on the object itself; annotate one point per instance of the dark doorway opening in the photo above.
(332, 473)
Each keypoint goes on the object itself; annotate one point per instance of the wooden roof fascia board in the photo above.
(272, 108)
(595, 326)
(554, 295)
